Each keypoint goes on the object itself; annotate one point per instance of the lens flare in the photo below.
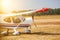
(6, 4)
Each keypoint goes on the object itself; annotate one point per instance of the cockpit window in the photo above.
(7, 20)
(12, 18)
(16, 19)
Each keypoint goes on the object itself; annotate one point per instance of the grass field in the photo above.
(48, 28)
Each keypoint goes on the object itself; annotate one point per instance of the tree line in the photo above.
(51, 11)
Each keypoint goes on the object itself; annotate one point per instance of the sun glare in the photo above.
(6, 4)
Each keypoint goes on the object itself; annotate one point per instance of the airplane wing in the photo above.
(30, 12)
(15, 14)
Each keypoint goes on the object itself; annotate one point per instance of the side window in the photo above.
(16, 19)
(7, 20)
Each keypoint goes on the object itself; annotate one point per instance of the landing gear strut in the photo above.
(16, 32)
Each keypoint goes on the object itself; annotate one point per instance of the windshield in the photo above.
(12, 19)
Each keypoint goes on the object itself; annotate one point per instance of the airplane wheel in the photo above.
(28, 31)
(16, 33)
(5, 33)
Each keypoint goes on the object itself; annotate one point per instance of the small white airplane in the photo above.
(17, 21)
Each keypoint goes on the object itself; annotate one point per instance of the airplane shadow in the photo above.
(34, 33)
(42, 33)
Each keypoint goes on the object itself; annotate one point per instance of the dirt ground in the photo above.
(48, 28)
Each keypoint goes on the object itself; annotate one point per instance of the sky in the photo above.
(36, 4)
(32, 4)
